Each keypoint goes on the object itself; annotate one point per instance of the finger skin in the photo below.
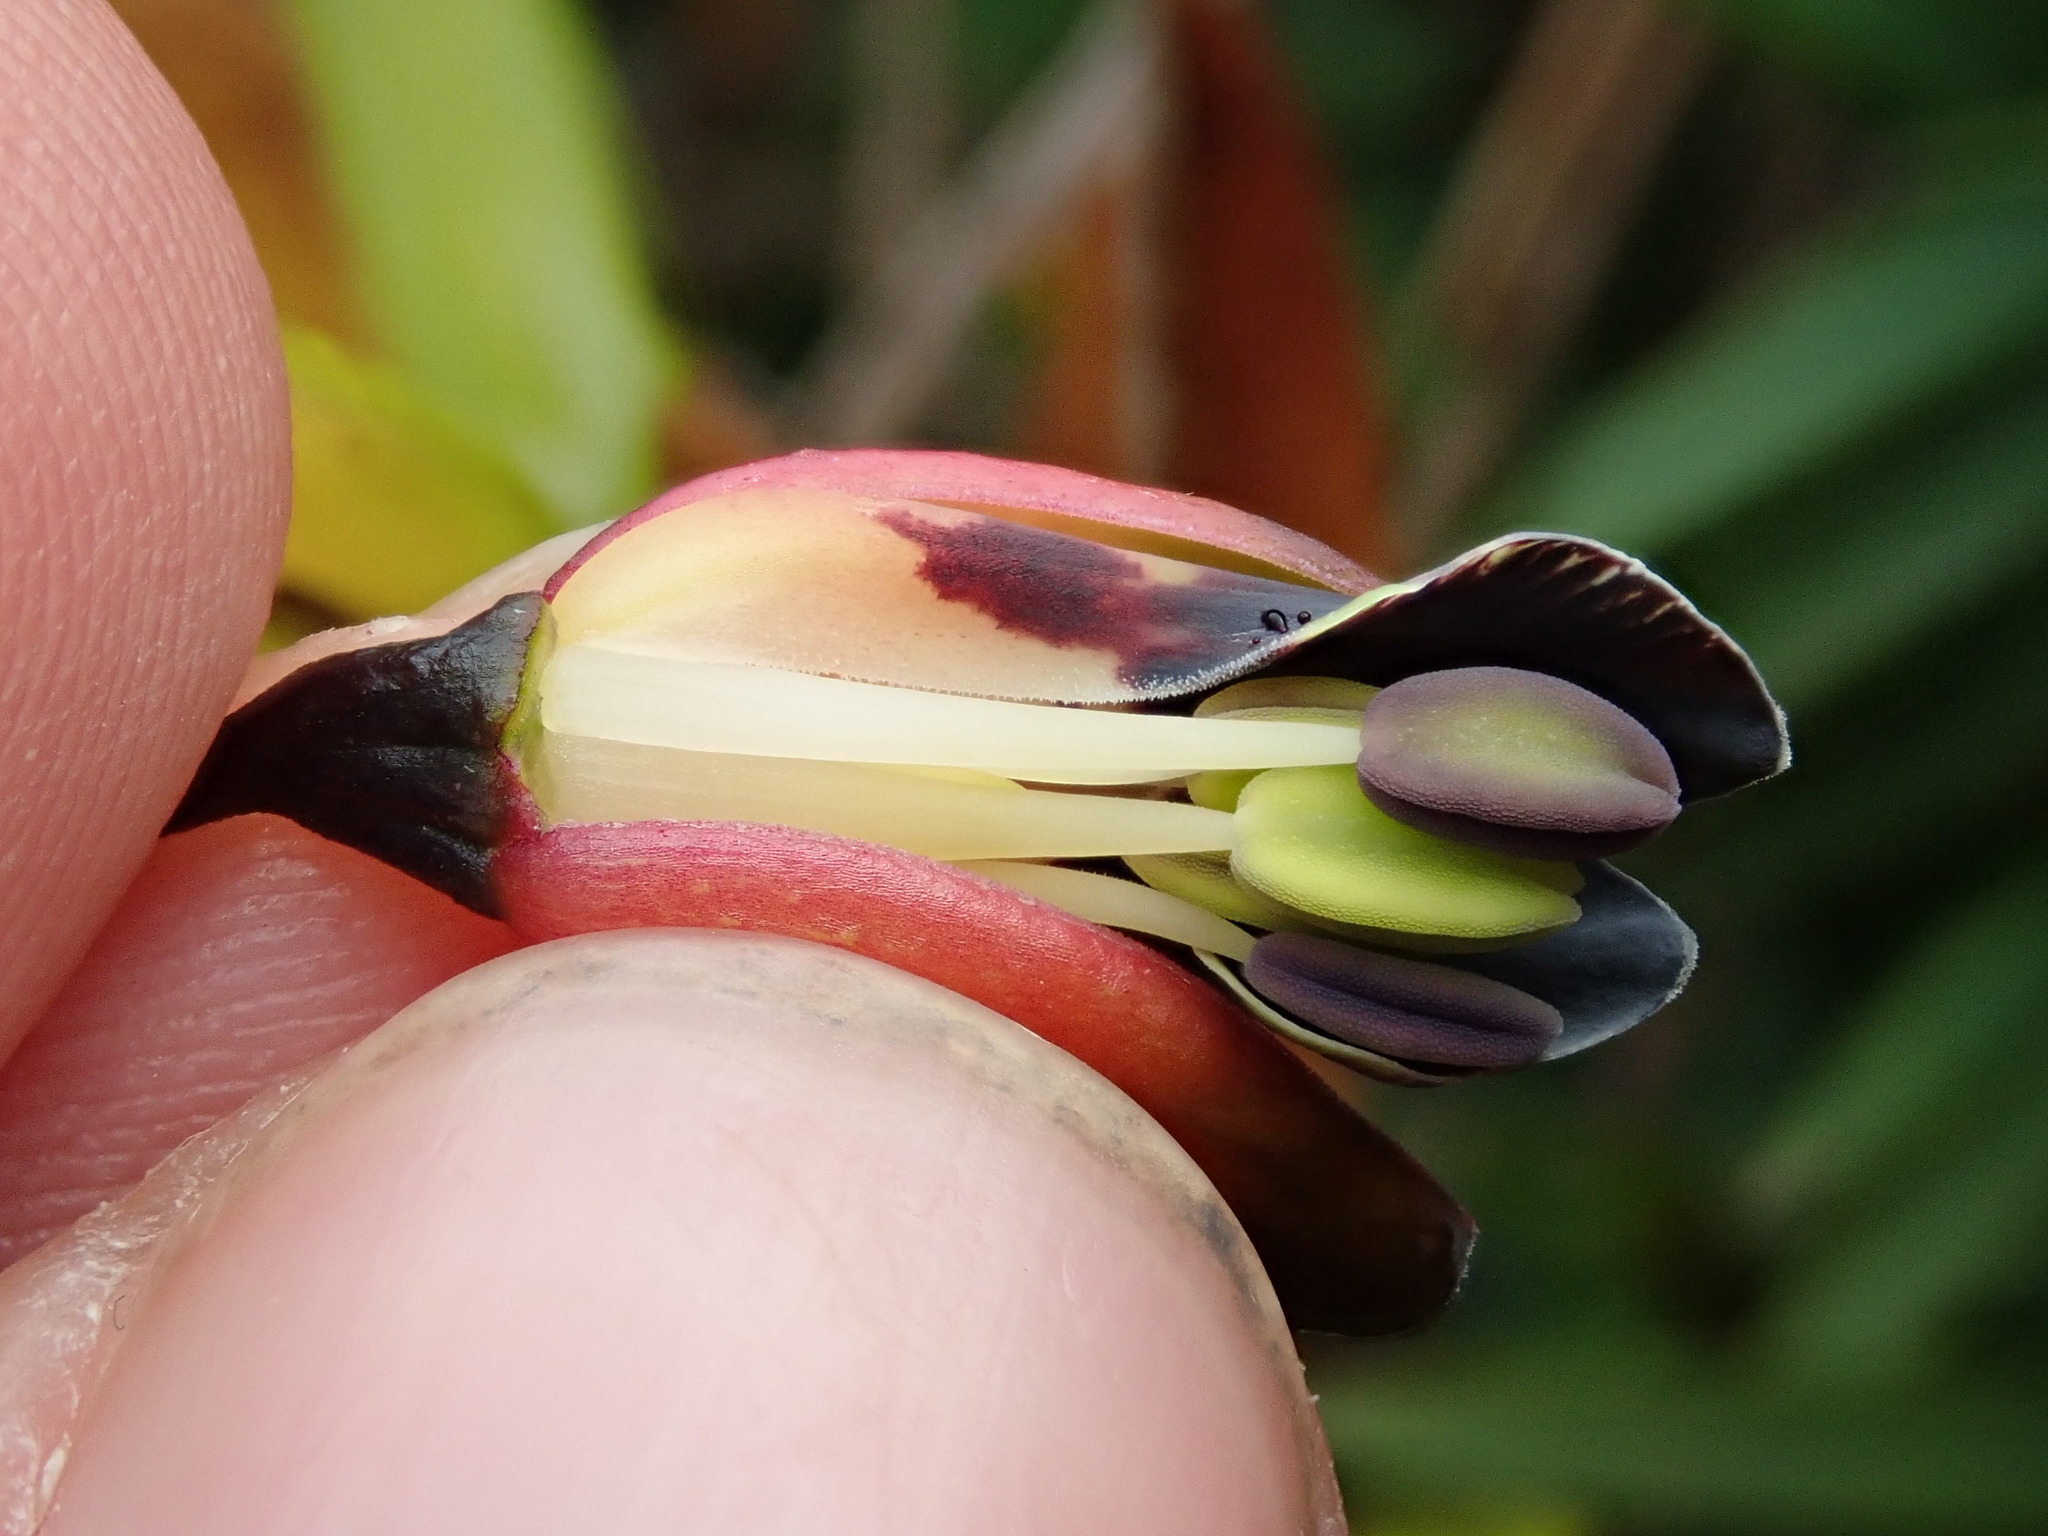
(242, 952)
(1357, 1236)
(671, 1232)
(144, 473)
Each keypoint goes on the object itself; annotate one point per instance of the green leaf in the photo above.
(393, 504)
(1951, 1020)
(1923, 1142)
(1639, 1440)
(475, 156)
(1941, 754)
(1912, 51)
(1873, 1308)
(1831, 586)
(1856, 337)
(1518, 1517)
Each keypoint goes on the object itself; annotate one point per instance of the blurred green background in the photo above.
(1756, 289)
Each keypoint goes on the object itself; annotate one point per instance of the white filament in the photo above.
(952, 817)
(598, 691)
(1118, 903)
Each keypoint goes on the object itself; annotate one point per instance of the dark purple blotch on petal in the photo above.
(1514, 761)
(1168, 638)
(1576, 609)
(1626, 957)
(1411, 1010)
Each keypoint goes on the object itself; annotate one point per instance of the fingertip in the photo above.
(144, 466)
(661, 1231)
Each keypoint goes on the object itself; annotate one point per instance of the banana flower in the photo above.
(1181, 791)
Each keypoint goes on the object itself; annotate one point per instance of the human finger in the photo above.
(242, 952)
(667, 1231)
(144, 469)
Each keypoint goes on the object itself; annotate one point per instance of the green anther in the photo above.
(1305, 700)
(1320, 693)
(1309, 839)
(1219, 788)
(1205, 880)
(1300, 713)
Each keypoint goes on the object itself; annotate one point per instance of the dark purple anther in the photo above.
(1412, 1010)
(1518, 762)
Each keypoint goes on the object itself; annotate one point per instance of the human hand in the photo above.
(638, 1232)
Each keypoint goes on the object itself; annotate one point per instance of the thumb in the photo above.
(666, 1231)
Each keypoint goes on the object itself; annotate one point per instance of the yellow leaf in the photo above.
(393, 504)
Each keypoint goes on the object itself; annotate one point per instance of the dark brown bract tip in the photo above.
(392, 749)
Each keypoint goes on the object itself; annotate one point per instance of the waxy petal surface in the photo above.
(923, 596)
(1111, 512)
(1356, 1236)
(1106, 618)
